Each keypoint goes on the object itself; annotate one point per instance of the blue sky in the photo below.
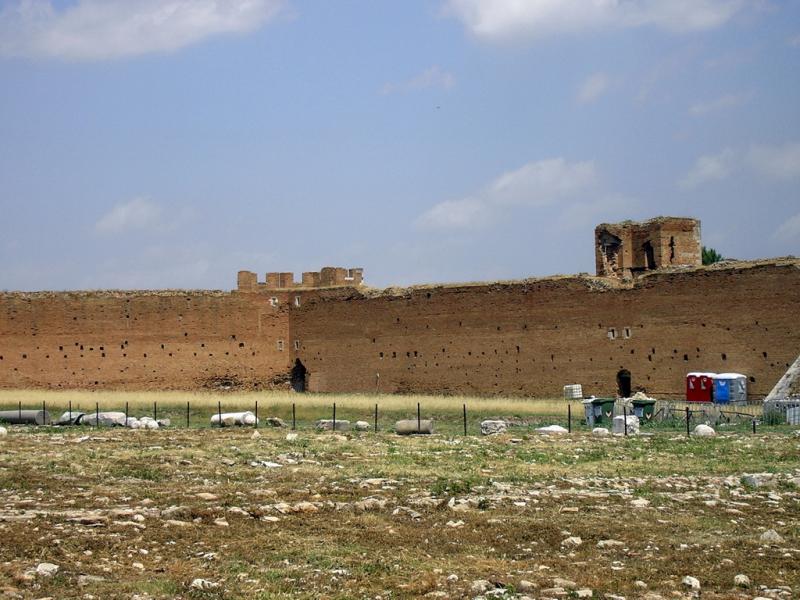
(170, 143)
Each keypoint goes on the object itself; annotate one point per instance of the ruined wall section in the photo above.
(532, 338)
(142, 340)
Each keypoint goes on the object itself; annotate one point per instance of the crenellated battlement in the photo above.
(247, 281)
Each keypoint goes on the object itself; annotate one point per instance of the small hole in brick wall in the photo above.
(122, 346)
(702, 324)
(145, 355)
(24, 356)
(241, 344)
(394, 354)
(408, 354)
(428, 294)
(61, 348)
(194, 353)
(398, 319)
(724, 356)
(764, 354)
(103, 355)
(752, 379)
(650, 358)
(415, 353)
(162, 346)
(380, 354)
(170, 354)
(185, 334)
(233, 337)
(81, 346)
(202, 345)
(686, 357)
(517, 349)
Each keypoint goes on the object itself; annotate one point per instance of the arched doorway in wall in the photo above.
(299, 374)
(624, 383)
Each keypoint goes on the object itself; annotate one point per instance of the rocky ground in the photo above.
(237, 514)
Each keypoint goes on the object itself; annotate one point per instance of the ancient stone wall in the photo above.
(532, 338)
(526, 338)
(142, 340)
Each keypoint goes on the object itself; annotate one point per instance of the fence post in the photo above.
(334, 417)
(97, 415)
(754, 426)
(187, 414)
(256, 425)
(126, 414)
(155, 411)
(44, 410)
(625, 419)
(464, 406)
(219, 413)
(569, 418)
(294, 418)
(376, 418)
(19, 411)
(687, 421)
(70, 412)
(419, 420)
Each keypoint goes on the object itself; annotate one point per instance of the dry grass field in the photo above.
(275, 514)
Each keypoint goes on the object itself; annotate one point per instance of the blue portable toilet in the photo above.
(730, 387)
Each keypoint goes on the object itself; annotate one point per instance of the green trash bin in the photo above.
(599, 411)
(644, 409)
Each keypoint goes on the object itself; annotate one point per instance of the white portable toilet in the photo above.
(730, 387)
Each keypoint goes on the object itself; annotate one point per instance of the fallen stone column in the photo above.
(234, 419)
(25, 417)
(411, 426)
(103, 419)
(327, 424)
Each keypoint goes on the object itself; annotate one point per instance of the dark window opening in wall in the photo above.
(612, 333)
(724, 356)
(280, 345)
(624, 383)
(24, 356)
(686, 357)
(649, 255)
(380, 354)
(299, 376)
(672, 248)
(297, 344)
(297, 300)
(241, 344)
(627, 332)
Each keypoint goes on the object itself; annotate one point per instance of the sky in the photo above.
(152, 144)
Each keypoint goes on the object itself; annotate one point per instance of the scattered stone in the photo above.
(691, 583)
(600, 432)
(46, 569)
(770, 536)
(572, 542)
(618, 425)
(412, 426)
(552, 430)
(207, 496)
(203, 584)
(584, 593)
(274, 422)
(493, 427)
(452, 578)
(255, 435)
(640, 503)
(480, 586)
(704, 431)
(757, 480)
(455, 524)
(742, 581)
(138, 565)
(362, 426)
(327, 425)
(84, 580)
(609, 543)
(221, 523)
(557, 592)
(3, 432)
(290, 437)
(527, 586)
(640, 584)
(564, 583)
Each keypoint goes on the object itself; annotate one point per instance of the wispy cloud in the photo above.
(779, 162)
(432, 77)
(789, 230)
(711, 167)
(533, 19)
(723, 102)
(593, 87)
(139, 213)
(109, 29)
(536, 184)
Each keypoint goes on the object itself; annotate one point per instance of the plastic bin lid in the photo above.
(730, 376)
(699, 374)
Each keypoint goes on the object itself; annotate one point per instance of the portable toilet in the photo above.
(700, 387)
(730, 387)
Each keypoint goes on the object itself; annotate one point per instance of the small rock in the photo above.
(704, 431)
(564, 583)
(203, 584)
(609, 543)
(572, 542)
(274, 422)
(362, 426)
(640, 584)
(770, 536)
(221, 523)
(452, 578)
(493, 427)
(3, 432)
(584, 593)
(207, 496)
(741, 580)
(600, 432)
(84, 580)
(691, 582)
(290, 437)
(455, 524)
(527, 586)
(46, 569)
(328, 425)
(640, 503)
(552, 430)
(138, 565)
(480, 586)
(255, 435)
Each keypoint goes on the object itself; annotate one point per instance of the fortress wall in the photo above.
(532, 338)
(141, 340)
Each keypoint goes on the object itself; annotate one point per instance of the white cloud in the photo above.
(432, 77)
(139, 213)
(109, 29)
(533, 19)
(779, 162)
(536, 184)
(711, 167)
(725, 101)
(789, 230)
(595, 86)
